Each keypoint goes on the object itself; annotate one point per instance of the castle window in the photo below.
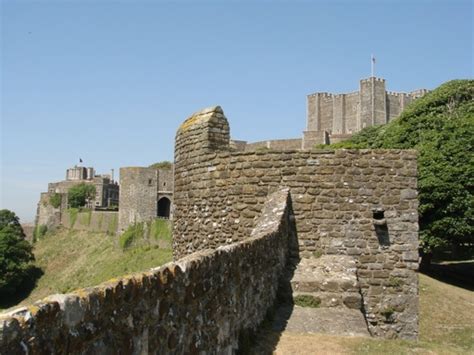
(164, 183)
(378, 214)
(149, 181)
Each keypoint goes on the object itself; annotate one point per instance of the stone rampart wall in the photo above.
(202, 303)
(279, 144)
(46, 214)
(356, 202)
(91, 221)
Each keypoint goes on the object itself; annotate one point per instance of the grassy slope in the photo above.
(72, 259)
(446, 327)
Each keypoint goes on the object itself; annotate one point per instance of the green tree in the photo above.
(15, 253)
(440, 125)
(79, 195)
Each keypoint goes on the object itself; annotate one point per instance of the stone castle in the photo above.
(333, 118)
(249, 226)
(145, 193)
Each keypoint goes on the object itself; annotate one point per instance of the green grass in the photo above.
(73, 212)
(113, 223)
(153, 233)
(76, 259)
(160, 229)
(85, 217)
(307, 301)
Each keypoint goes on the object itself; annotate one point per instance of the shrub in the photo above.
(165, 164)
(55, 200)
(133, 233)
(80, 194)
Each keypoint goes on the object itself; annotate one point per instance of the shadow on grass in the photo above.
(456, 273)
(23, 290)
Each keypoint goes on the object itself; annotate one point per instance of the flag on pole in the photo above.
(80, 160)
(373, 59)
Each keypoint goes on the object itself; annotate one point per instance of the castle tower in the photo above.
(332, 118)
(138, 196)
(373, 107)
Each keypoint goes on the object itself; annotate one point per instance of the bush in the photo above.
(78, 195)
(440, 125)
(55, 200)
(165, 164)
(15, 253)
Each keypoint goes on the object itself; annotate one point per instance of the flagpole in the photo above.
(371, 65)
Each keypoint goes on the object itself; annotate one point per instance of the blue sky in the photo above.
(110, 81)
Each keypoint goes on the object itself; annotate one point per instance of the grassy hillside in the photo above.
(75, 259)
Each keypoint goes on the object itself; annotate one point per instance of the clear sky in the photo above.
(110, 81)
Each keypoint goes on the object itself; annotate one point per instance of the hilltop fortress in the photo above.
(338, 226)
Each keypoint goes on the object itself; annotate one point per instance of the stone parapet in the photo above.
(202, 303)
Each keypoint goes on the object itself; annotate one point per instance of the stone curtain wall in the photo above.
(361, 203)
(202, 303)
(46, 214)
(91, 221)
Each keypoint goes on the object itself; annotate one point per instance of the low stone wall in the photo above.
(202, 303)
(92, 221)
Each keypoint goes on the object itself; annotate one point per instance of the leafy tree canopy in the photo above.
(79, 194)
(440, 125)
(15, 253)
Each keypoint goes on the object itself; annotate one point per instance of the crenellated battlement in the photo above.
(351, 112)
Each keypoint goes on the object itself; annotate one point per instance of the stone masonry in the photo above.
(361, 203)
(145, 193)
(332, 118)
(205, 303)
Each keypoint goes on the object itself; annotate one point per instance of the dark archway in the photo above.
(164, 205)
